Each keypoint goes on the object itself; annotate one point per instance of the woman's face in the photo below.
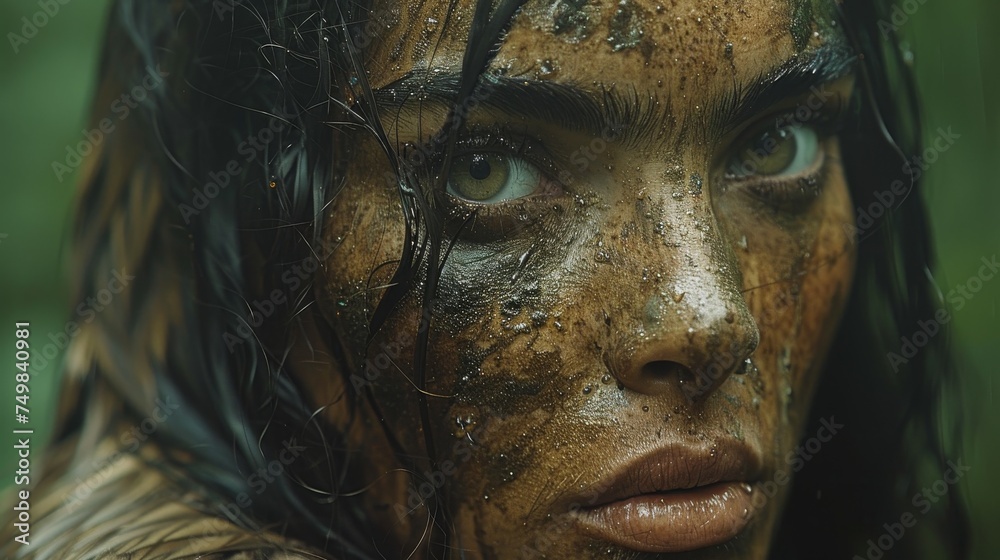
(646, 262)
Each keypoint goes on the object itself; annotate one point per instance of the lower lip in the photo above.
(676, 521)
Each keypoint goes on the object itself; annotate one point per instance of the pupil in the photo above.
(479, 169)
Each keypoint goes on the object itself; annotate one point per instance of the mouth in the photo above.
(675, 499)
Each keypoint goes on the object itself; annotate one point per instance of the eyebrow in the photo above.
(574, 108)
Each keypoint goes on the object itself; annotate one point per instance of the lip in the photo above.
(676, 498)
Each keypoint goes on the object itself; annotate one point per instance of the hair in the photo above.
(236, 68)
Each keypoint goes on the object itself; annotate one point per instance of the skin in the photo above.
(547, 372)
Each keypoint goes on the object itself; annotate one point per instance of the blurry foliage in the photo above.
(45, 93)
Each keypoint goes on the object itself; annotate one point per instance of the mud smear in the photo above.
(625, 28)
(801, 23)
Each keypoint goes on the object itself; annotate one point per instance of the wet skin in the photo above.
(607, 309)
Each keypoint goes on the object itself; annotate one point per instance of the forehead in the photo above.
(681, 46)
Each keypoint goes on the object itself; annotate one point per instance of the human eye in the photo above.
(777, 152)
(491, 178)
(496, 167)
(781, 160)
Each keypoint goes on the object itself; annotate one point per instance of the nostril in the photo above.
(663, 370)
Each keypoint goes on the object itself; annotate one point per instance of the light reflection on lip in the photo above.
(674, 499)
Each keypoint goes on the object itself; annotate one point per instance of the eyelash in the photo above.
(497, 138)
(793, 192)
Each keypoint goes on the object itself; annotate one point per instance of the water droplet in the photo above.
(606, 379)
(464, 424)
(539, 317)
(546, 67)
(587, 390)
(729, 50)
(694, 185)
(645, 408)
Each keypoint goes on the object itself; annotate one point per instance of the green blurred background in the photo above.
(45, 90)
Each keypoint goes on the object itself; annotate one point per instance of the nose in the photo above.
(698, 354)
(697, 329)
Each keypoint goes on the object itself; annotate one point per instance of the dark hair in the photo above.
(235, 68)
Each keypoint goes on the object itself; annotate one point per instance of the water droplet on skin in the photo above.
(606, 379)
(486, 497)
(625, 28)
(602, 257)
(645, 275)
(558, 325)
(547, 67)
(587, 390)
(645, 408)
(464, 424)
(677, 195)
(695, 184)
(729, 50)
(677, 410)
(538, 318)
(747, 488)
(746, 513)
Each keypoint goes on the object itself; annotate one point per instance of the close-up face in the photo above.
(643, 260)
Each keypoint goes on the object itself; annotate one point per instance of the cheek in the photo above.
(797, 275)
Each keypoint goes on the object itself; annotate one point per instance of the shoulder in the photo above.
(118, 508)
